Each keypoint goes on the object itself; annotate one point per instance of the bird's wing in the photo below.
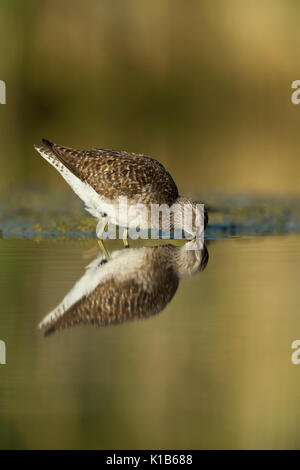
(114, 302)
(114, 173)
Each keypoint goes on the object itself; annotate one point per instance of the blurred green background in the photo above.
(203, 86)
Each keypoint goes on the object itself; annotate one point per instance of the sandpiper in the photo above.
(100, 177)
(134, 284)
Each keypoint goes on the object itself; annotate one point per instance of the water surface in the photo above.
(212, 370)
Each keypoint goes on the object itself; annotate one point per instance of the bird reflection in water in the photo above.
(135, 283)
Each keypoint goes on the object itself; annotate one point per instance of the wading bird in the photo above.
(134, 284)
(100, 177)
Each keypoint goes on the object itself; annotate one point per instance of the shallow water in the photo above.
(212, 370)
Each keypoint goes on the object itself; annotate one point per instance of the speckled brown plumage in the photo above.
(144, 291)
(113, 173)
(113, 303)
(101, 178)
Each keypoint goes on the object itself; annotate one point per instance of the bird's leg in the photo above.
(103, 249)
(125, 238)
(102, 228)
(99, 240)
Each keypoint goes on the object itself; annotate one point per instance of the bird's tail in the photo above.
(48, 154)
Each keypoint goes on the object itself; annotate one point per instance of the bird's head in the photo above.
(189, 262)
